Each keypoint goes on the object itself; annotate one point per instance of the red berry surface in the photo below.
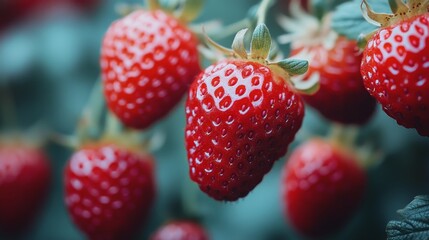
(148, 61)
(24, 183)
(342, 96)
(109, 191)
(322, 188)
(395, 69)
(240, 119)
(180, 230)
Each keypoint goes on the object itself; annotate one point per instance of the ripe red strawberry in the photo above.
(109, 191)
(148, 60)
(180, 230)
(24, 183)
(342, 97)
(241, 117)
(395, 67)
(322, 187)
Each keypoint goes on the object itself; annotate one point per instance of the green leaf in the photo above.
(415, 222)
(348, 20)
(293, 66)
(261, 42)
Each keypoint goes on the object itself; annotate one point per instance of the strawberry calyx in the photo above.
(184, 10)
(96, 129)
(344, 138)
(400, 11)
(261, 51)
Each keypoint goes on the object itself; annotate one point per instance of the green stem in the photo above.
(190, 203)
(343, 135)
(230, 29)
(113, 126)
(89, 124)
(319, 7)
(153, 4)
(262, 11)
(7, 106)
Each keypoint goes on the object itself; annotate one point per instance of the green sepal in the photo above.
(397, 6)
(293, 66)
(238, 44)
(309, 87)
(211, 43)
(261, 42)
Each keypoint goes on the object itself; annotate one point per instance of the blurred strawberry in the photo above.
(24, 183)
(180, 230)
(109, 190)
(322, 187)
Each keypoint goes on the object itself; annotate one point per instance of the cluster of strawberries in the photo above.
(242, 113)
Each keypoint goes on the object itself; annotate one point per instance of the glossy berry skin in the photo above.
(341, 98)
(240, 119)
(109, 191)
(180, 230)
(148, 61)
(322, 187)
(395, 70)
(25, 176)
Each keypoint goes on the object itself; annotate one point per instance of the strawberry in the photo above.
(335, 62)
(180, 230)
(241, 116)
(25, 176)
(148, 60)
(394, 65)
(109, 190)
(322, 187)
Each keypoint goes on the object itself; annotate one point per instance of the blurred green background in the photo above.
(50, 63)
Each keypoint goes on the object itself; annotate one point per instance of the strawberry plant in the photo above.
(247, 151)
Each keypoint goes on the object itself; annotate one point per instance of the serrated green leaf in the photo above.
(238, 43)
(415, 222)
(348, 20)
(293, 66)
(261, 42)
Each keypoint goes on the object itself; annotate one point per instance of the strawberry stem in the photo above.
(112, 127)
(7, 106)
(230, 29)
(189, 197)
(261, 13)
(189, 10)
(343, 135)
(153, 4)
